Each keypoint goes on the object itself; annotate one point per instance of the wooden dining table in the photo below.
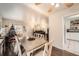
(31, 46)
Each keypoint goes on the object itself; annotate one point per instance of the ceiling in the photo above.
(47, 8)
(16, 10)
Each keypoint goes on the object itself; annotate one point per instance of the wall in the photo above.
(56, 32)
(12, 11)
(32, 18)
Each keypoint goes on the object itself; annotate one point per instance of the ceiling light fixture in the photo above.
(52, 3)
(55, 4)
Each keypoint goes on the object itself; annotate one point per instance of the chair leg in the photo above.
(28, 54)
(47, 49)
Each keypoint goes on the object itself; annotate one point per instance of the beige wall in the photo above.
(56, 33)
(32, 17)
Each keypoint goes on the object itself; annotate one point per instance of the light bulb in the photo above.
(57, 5)
(52, 3)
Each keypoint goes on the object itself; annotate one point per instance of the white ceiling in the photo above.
(16, 10)
(47, 8)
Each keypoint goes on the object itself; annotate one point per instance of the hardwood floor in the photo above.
(59, 52)
(55, 52)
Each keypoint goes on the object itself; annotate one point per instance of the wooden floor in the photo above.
(59, 52)
(55, 52)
